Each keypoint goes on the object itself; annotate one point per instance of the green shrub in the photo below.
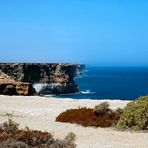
(102, 108)
(119, 111)
(103, 105)
(135, 115)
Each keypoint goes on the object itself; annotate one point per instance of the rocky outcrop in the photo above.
(19, 88)
(57, 78)
(25, 89)
(9, 86)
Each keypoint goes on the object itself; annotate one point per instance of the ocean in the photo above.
(124, 83)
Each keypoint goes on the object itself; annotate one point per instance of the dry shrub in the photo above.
(16, 138)
(11, 143)
(9, 126)
(87, 117)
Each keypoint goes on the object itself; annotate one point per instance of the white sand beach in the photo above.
(39, 113)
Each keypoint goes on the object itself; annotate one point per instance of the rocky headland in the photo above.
(19, 78)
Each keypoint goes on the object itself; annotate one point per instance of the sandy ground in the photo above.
(40, 112)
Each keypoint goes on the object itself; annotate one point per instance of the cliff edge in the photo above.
(53, 77)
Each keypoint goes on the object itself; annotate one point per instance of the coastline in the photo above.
(39, 113)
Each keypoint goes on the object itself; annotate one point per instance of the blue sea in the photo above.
(124, 83)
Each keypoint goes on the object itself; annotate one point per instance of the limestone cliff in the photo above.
(9, 86)
(57, 78)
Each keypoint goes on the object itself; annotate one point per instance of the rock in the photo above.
(10, 87)
(4, 78)
(19, 88)
(58, 78)
(24, 89)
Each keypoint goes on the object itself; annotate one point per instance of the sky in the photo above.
(93, 32)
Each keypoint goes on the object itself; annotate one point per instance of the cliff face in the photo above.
(9, 86)
(18, 88)
(57, 78)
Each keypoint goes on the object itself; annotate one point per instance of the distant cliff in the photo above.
(55, 78)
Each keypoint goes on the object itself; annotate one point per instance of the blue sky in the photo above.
(95, 32)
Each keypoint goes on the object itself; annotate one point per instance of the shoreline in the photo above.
(52, 97)
(39, 113)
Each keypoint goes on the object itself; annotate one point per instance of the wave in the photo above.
(44, 87)
(87, 92)
(38, 87)
(50, 95)
(81, 76)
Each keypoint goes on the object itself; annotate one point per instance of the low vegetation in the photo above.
(104, 106)
(135, 115)
(100, 116)
(12, 137)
